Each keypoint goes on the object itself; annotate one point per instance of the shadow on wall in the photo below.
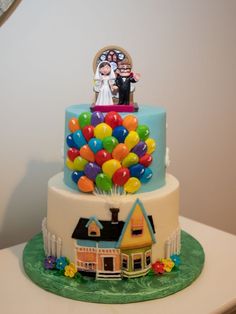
(28, 203)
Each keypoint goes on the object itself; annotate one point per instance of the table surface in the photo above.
(213, 292)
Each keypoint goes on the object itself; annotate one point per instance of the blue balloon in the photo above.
(79, 138)
(96, 118)
(137, 170)
(76, 175)
(140, 149)
(70, 141)
(120, 133)
(95, 144)
(146, 176)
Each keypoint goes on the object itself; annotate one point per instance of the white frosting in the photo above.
(66, 207)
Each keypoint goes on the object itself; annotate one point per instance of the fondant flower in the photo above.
(61, 263)
(50, 262)
(176, 259)
(168, 264)
(158, 267)
(70, 270)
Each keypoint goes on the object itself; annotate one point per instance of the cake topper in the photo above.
(114, 81)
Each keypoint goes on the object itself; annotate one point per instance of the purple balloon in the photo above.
(91, 170)
(140, 149)
(96, 118)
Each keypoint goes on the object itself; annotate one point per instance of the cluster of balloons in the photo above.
(107, 150)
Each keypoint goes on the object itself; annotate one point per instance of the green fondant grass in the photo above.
(115, 291)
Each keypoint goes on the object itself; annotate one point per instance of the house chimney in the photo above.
(114, 215)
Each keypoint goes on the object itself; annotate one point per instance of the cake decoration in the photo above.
(103, 153)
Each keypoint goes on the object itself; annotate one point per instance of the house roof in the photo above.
(109, 232)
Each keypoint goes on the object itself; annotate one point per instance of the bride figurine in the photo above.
(104, 80)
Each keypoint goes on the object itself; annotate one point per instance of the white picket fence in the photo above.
(173, 244)
(52, 243)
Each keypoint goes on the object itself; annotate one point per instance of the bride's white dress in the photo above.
(105, 95)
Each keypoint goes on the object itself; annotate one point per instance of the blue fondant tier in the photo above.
(154, 118)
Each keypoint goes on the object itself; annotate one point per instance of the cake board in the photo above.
(115, 291)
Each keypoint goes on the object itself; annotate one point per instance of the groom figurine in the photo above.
(123, 81)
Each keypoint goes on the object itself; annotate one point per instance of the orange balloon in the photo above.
(73, 125)
(85, 184)
(120, 151)
(87, 153)
(130, 122)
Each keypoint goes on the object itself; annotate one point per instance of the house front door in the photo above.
(108, 263)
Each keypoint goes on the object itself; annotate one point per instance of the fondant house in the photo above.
(115, 249)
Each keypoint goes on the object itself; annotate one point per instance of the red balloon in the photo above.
(101, 156)
(121, 176)
(72, 153)
(113, 119)
(88, 132)
(145, 160)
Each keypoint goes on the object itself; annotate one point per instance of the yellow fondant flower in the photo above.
(168, 264)
(70, 270)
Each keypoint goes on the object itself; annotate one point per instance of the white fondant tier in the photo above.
(66, 207)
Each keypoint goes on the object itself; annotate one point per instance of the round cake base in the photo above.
(115, 291)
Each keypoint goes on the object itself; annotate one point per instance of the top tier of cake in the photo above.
(152, 117)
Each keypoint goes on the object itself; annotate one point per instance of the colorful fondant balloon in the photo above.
(132, 139)
(70, 141)
(73, 125)
(129, 160)
(140, 149)
(151, 145)
(91, 170)
(103, 182)
(143, 132)
(85, 184)
(95, 144)
(137, 170)
(120, 151)
(70, 164)
(120, 132)
(87, 153)
(102, 156)
(88, 132)
(96, 118)
(102, 130)
(79, 139)
(79, 163)
(121, 176)
(72, 153)
(110, 166)
(147, 175)
(113, 119)
(109, 143)
(76, 175)
(84, 119)
(130, 122)
(132, 185)
(145, 160)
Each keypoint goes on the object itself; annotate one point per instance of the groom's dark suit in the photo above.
(123, 85)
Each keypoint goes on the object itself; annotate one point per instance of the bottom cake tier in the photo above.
(110, 237)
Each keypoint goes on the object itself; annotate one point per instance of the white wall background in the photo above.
(186, 52)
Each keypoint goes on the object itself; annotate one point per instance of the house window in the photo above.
(148, 258)
(136, 227)
(125, 261)
(137, 262)
(93, 230)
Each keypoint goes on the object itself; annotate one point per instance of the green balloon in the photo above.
(84, 119)
(103, 182)
(109, 143)
(143, 132)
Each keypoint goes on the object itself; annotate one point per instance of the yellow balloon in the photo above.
(110, 166)
(70, 164)
(131, 139)
(129, 160)
(132, 185)
(151, 145)
(102, 130)
(80, 163)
